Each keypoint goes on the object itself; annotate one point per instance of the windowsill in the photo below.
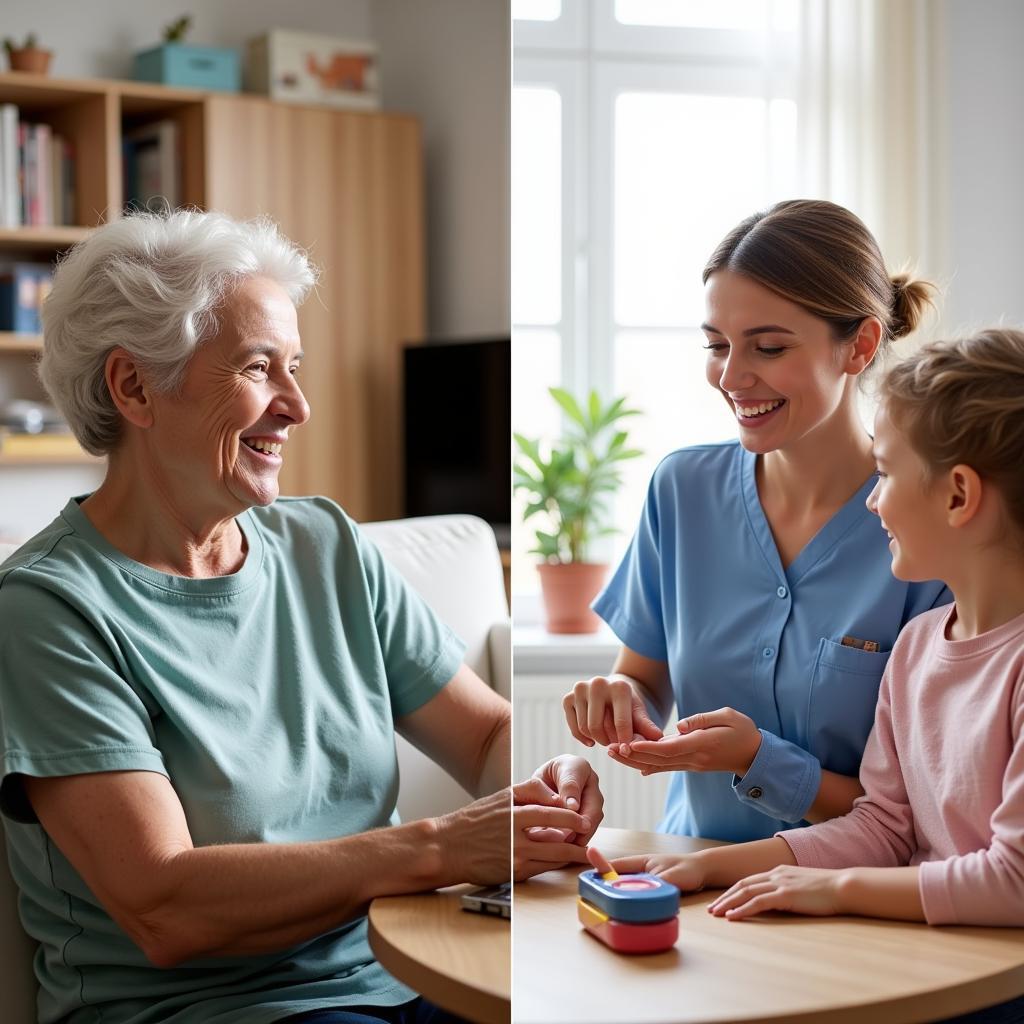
(535, 651)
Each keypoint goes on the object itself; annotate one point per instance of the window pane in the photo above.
(536, 10)
(536, 366)
(749, 15)
(662, 372)
(687, 169)
(536, 206)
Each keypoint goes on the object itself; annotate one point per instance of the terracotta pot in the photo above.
(35, 61)
(567, 590)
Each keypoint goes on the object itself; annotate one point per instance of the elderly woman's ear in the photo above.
(128, 389)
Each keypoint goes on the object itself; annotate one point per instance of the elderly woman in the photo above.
(200, 682)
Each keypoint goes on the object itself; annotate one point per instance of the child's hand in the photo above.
(799, 890)
(685, 872)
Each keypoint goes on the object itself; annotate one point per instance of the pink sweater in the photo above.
(943, 776)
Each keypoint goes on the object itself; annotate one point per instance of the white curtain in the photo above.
(871, 101)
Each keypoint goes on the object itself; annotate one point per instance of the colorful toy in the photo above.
(629, 913)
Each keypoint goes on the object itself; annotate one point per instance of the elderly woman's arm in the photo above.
(126, 835)
(466, 728)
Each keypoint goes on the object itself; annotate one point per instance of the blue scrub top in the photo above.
(702, 587)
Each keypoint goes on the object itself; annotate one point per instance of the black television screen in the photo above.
(458, 408)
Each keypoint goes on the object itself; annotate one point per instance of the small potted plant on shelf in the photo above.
(28, 56)
(568, 483)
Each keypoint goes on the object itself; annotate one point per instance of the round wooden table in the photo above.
(456, 959)
(780, 967)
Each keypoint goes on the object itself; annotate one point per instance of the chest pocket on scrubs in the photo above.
(841, 704)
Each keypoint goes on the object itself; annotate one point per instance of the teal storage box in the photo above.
(198, 67)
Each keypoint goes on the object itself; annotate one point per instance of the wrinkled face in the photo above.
(223, 439)
(912, 512)
(777, 366)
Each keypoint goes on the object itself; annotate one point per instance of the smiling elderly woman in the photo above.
(200, 682)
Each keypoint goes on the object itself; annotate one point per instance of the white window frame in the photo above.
(590, 58)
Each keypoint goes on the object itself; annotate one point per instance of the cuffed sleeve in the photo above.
(782, 780)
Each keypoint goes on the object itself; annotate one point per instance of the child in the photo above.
(939, 834)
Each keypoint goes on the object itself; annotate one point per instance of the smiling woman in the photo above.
(756, 594)
(201, 681)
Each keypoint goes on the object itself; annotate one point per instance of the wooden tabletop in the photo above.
(779, 967)
(456, 959)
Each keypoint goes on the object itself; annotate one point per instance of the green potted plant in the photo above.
(28, 57)
(568, 483)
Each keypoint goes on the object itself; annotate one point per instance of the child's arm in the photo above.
(986, 887)
(868, 892)
(713, 868)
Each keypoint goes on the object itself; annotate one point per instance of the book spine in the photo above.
(44, 196)
(10, 198)
(31, 176)
(54, 180)
(68, 165)
(22, 173)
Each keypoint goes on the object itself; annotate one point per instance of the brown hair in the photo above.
(823, 258)
(963, 402)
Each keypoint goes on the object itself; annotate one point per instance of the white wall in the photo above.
(986, 162)
(449, 62)
(97, 38)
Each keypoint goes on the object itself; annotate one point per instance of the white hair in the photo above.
(151, 284)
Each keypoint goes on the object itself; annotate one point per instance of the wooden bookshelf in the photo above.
(45, 239)
(11, 341)
(345, 185)
(70, 459)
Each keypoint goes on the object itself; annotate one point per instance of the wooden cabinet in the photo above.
(347, 186)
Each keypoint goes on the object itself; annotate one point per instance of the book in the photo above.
(23, 286)
(37, 173)
(9, 191)
(152, 166)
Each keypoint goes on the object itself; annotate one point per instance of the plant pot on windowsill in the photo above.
(567, 484)
(567, 589)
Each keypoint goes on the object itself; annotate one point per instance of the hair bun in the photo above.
(910, 296)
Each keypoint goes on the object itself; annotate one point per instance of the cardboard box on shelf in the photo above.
(306, 67)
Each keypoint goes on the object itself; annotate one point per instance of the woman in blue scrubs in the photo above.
(756, 594)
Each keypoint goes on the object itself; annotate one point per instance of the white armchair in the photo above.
(454, 563)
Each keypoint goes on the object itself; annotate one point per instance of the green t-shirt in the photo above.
(267, 697)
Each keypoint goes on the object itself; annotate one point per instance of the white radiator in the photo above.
(540, 733)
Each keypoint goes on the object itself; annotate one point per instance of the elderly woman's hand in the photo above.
(474, 841)
(573, 780)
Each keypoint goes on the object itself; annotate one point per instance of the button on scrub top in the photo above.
(702, 587)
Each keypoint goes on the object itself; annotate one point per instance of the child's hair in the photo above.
(963, 402)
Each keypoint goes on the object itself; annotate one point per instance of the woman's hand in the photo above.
(714, 741)
(602, 710)
(473, 841)
(685, 871)
(799, 890)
